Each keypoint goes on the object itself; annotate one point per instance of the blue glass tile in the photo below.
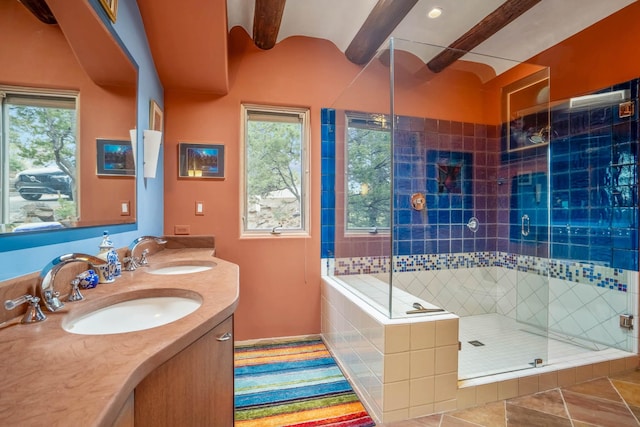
(403, 248)
(403, 233)
(430, 246)
(418, 217)
(627, 260)
(444, 216)
(560, 251)
(403, 184)
(600, 253)
(417, 232)
(444, 232)
(328, 166)
(402, 216)
(560, 181)
(600, 116)
(456, 216)
(560, 235)
(327, 217)
(468, 245)
(402, 201)
(624, 238)
(579, 236)
(417, 247)
(444, 246)
(326, 250)
(579, 252)
(579, 178)
(327, 199)
(328, 183)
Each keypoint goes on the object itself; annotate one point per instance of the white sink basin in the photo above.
(182, 267)
(133, 315)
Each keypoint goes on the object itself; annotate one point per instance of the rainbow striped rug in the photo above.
(293, 383)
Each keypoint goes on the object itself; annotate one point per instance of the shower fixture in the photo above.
(473, 224)
(418, 201)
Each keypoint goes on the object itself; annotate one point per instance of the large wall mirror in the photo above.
(59, 106)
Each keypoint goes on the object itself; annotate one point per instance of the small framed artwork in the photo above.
(201, 160)
(155, 116)
(111, 7)
(115, 157)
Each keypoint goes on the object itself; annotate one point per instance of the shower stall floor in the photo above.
(502, 344)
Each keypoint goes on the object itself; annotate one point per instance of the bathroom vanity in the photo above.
(180, 373)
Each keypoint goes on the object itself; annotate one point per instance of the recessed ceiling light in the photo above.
(434, 13)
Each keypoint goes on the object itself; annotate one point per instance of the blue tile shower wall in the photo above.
(593, 188)
(327, 186)
(594, 194)
(453, 164)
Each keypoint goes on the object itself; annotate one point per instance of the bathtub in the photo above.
(406, 366)
(400, 367)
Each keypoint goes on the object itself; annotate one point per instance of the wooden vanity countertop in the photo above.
(55, 378)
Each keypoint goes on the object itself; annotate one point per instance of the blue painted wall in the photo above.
(150, 192)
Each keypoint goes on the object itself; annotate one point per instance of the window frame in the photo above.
(48, 96)
(305, 187)
(376, 122)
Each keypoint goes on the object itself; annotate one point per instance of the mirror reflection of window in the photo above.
(368, 181)
(38, 153)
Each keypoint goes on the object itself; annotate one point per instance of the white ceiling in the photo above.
(546, 24)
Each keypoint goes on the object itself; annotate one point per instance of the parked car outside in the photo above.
(31, 184)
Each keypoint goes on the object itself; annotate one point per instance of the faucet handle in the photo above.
(33, 314)
(143, 258)
(75, 294)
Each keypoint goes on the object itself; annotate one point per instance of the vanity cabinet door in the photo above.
(194, 388)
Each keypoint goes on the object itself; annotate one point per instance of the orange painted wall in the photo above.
(602, 55)
(34, 54)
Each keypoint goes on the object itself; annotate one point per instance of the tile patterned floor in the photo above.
(606, 402)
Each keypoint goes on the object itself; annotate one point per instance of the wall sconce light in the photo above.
(133, 134)
(599, 99)
(151, 142)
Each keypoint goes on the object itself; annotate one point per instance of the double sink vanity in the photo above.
(153, 348)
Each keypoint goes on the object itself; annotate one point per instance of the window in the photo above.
(368, 180)
(38, 156)
(275, 170)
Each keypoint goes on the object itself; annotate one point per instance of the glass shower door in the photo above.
(529, 233)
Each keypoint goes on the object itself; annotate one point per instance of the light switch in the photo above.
(199, 208)
(124, 208)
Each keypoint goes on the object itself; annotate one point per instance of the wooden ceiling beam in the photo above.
(40, 10)
(266, 22)
(490, 24)
(383, 19)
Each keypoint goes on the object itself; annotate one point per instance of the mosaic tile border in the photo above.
(577, 272)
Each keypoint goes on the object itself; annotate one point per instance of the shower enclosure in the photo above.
(472, 190)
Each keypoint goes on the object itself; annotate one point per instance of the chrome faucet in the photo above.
(134, 262)
(48, 274)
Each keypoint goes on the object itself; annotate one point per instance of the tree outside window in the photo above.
(368, 178)
(275, 146)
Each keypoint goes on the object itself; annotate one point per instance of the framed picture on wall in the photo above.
(111, 7)
(115, 157)
(200, 160)
(155, 116)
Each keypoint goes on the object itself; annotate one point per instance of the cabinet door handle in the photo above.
(224, 337)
